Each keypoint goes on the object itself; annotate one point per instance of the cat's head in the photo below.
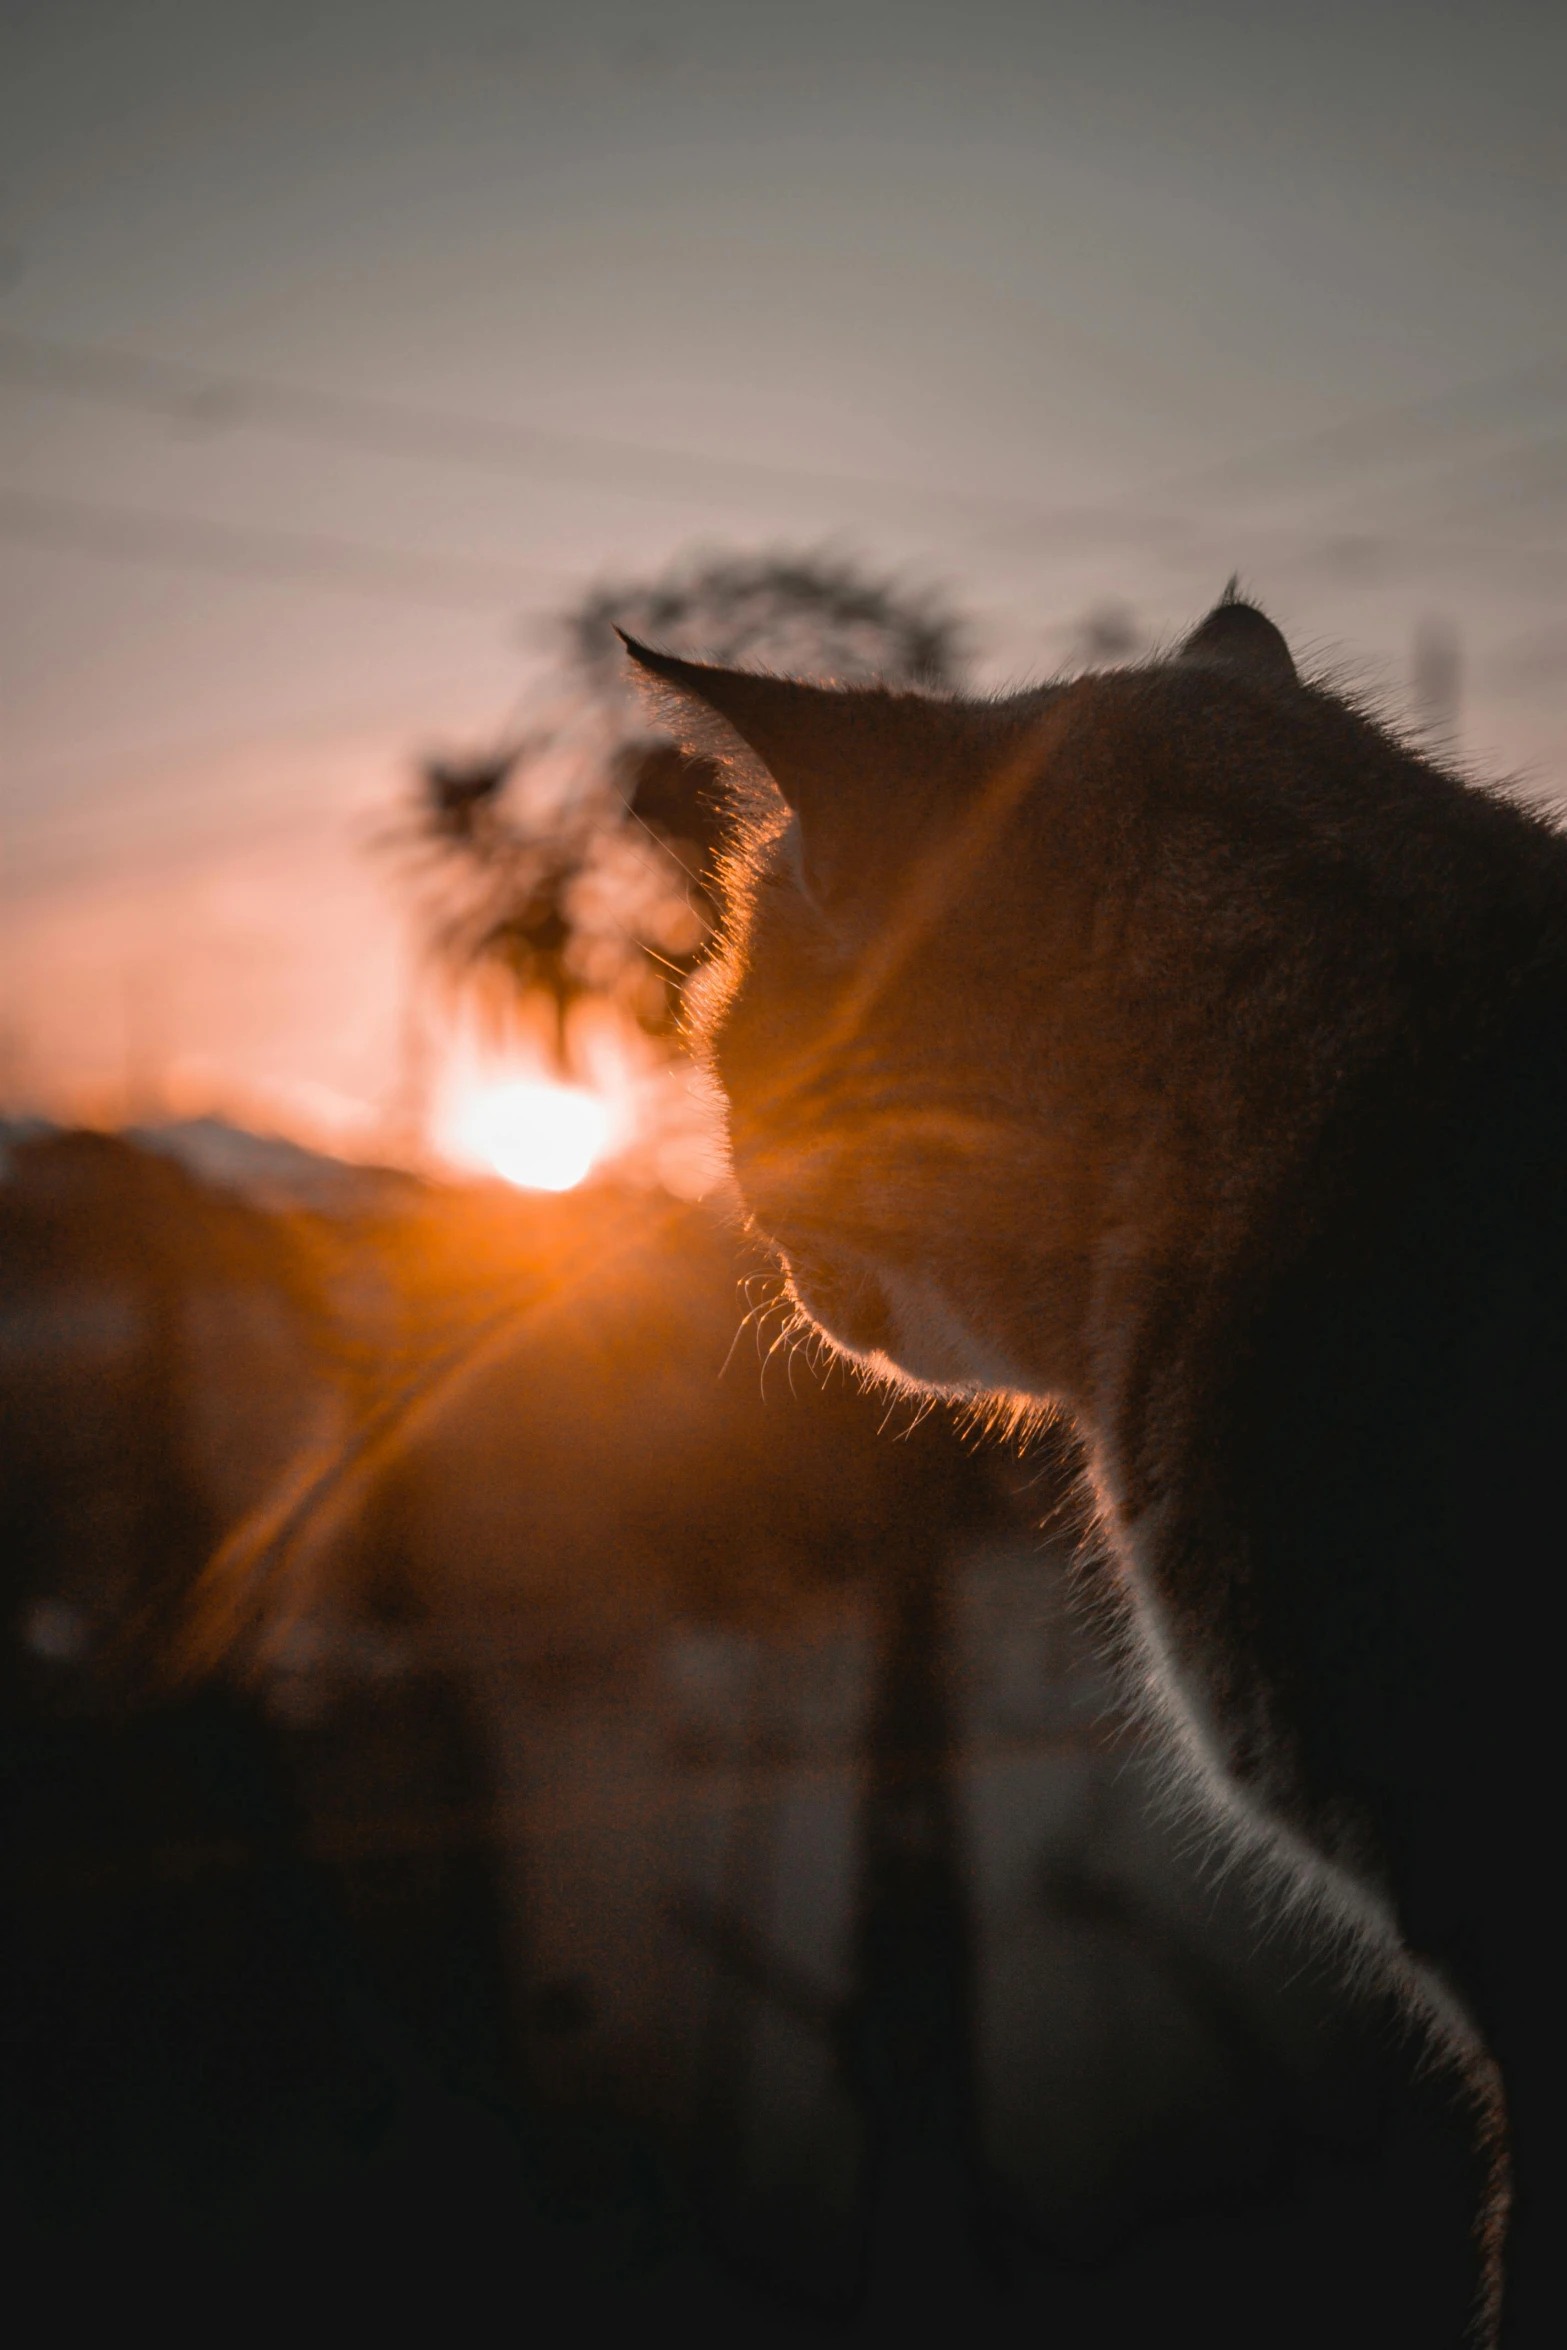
(1022, 999)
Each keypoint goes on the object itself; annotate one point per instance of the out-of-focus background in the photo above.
(343, 345)
(510, 1774)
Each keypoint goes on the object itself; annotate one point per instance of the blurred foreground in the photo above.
(650, 1839)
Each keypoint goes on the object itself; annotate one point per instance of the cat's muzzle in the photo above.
(847, 1302)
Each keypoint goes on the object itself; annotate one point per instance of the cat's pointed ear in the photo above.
(801, 734)
(1236, 635)
(788, 725)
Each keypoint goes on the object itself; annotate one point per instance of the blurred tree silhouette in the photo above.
(1106, 635)
(575, 859)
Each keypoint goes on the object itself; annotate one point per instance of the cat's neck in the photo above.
(1338, 1493)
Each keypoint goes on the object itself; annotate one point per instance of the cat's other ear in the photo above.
(812, 740)
(1237, 636)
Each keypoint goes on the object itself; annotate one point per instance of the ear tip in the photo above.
(668, 666)
(1238, 634)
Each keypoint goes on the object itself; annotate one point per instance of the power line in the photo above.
(214, 400)
(331, 721)
(254, 551)
(1379, 437)
(218, 400)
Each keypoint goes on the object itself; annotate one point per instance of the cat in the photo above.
(1176, 1047)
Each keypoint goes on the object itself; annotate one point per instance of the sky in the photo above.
(342, 346)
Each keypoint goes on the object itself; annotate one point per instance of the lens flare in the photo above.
(539, 1136)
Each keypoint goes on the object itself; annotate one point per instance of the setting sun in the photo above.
(540, 1136)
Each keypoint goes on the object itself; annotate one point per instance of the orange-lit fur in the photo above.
(1177, 1046)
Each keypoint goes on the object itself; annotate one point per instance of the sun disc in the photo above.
(539, 1136)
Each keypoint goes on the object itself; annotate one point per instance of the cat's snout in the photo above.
(847, 1302)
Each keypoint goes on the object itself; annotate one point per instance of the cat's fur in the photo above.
(1177, 1045)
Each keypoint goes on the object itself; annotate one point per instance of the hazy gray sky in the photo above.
(1056, 303)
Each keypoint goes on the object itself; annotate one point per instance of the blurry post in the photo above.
(910, 2051)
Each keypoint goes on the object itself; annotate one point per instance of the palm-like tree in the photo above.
(574, 859)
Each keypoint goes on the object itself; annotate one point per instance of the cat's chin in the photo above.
(899, 1326)
(849, 1307)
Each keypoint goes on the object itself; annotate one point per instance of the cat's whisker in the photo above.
(745, 1322)
(895, 1396)
(925, 1406)
(779, 1341)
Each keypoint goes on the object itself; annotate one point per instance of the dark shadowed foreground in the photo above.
(656, 1847)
